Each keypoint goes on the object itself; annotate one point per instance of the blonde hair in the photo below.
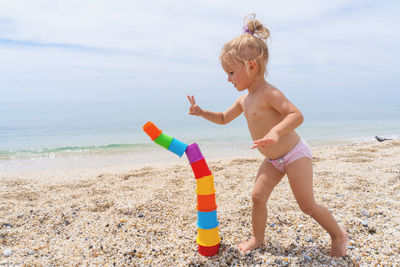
(249, 46)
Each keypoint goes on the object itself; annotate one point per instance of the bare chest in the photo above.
(260, 118)
(254, 111)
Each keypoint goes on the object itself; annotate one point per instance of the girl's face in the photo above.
(238, 76)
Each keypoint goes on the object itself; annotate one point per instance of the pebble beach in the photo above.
(146, 216)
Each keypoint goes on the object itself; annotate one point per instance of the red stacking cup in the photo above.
(208, 251)
(200, 168)
(206, 203)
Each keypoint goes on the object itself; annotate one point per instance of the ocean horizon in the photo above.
(63, 135)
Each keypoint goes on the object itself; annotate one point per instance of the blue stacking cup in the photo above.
(177, 147)
(207, 220)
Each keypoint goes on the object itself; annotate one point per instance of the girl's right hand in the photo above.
(194, 108)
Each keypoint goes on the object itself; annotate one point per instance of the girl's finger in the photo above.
(190, 100)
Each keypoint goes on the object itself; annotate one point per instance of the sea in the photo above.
(63, 135)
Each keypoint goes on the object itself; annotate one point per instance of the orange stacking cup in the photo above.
(151, 130)
(206, 203)
(200, 168)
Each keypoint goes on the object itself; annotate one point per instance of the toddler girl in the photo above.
(272, 120)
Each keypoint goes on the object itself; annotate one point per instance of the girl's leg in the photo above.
(300, 176)
(267, 178)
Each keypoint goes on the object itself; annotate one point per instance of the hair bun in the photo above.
(255, 26)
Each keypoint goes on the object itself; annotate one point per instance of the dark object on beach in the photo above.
(381, 139)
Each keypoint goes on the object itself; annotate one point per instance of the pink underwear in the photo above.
(302, 149)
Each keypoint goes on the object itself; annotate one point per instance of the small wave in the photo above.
(69, 150)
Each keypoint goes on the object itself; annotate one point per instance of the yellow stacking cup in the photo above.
(205, 185)
(208, 237)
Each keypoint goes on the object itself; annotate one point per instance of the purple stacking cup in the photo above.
(193, 153)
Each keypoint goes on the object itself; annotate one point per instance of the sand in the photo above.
(147, 216)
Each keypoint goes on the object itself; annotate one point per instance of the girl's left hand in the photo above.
(269, 139)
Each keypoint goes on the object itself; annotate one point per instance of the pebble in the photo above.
(365, 213)
(307, 258)
(364, 223)
(7, 253)
(309, 239)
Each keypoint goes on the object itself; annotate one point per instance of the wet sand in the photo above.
(147, 216)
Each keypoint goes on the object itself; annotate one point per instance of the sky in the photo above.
(128, 50)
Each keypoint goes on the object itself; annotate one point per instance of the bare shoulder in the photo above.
(270, 90)
(241, 99)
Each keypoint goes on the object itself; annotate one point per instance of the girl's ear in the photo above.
(252, 65)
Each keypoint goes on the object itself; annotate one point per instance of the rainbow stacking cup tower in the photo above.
(207, 223)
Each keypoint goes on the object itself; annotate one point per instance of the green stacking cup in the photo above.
(164, 140)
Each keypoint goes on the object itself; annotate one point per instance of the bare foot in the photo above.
(339, 245)
(249, 245)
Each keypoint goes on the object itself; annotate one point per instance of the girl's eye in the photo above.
(231, 73)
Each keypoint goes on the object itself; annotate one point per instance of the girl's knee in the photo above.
(308, 208)
(258, 198)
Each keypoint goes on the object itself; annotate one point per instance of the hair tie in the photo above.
(246, 30)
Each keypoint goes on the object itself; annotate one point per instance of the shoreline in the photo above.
(87, 164)
(147, 215)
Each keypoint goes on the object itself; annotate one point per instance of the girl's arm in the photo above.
(217, 117)
(293, 117)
